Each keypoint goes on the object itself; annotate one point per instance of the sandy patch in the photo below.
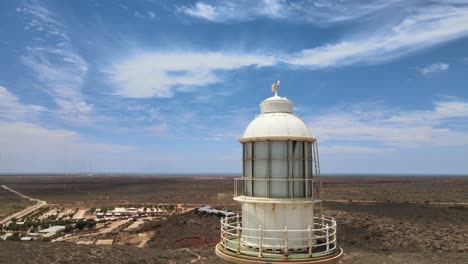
(134, 225)
(80, 214)
(105, 242)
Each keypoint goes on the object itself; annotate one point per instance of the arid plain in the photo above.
(381, 219)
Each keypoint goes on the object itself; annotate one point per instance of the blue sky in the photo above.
(169, 86)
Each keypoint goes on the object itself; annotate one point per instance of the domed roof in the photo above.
(276, 121)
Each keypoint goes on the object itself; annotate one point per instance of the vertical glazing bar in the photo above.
(252, 167)
(304, 173)
(244, 187)
(286, 241)
(269, 170)
(306, 169)
(290, 194)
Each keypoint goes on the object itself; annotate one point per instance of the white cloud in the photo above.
(396, 28)
(30, 148)
(158, 74)
(355, 149)
(433, 68)
(443, 110)
(60, 70)
(201, 10)
(318, 12)
(145, 15)
(12, 109)
(389, 128)
(424, 27)
(39, 18)
(412, 27)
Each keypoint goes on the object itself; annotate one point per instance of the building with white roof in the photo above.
(54, 229)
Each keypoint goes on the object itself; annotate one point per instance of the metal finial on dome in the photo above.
(274, 87)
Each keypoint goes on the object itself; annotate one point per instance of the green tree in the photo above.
(80, 224)
(68, 228)
(90, 223)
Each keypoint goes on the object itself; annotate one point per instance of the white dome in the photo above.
(276, 122)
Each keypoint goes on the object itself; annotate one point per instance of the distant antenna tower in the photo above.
(280, 193)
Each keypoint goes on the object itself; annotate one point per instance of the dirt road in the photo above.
(25, 211)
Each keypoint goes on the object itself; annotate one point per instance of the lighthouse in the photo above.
(280, 192)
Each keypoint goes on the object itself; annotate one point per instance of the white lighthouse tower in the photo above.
(280, 192)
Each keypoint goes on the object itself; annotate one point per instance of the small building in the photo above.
(109, 214)
(54, 229)
(119, 210)
(25, 238)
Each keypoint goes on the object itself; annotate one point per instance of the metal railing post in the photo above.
(235, 187)
(286, 241)
(328, 239)
(238, 234)
(260, 241)
(222, 235)
(309, 230)
(334, 235)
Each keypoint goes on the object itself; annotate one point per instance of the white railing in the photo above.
(315, 241)
(275, 188)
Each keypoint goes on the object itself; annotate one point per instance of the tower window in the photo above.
(278, 168)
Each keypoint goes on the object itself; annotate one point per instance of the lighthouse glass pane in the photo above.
(298, 177)
(248, 175)
(298, 168)
(260, 150)
(260, 178)
(297, 149)
(279, 176)
(247, 150)
(279, 149)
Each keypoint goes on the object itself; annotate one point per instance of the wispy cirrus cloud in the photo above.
(159, 74)
(59, 69)
(421, 28)
(314, 11)
(394, 29)
(434, 68)
(389, 128)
